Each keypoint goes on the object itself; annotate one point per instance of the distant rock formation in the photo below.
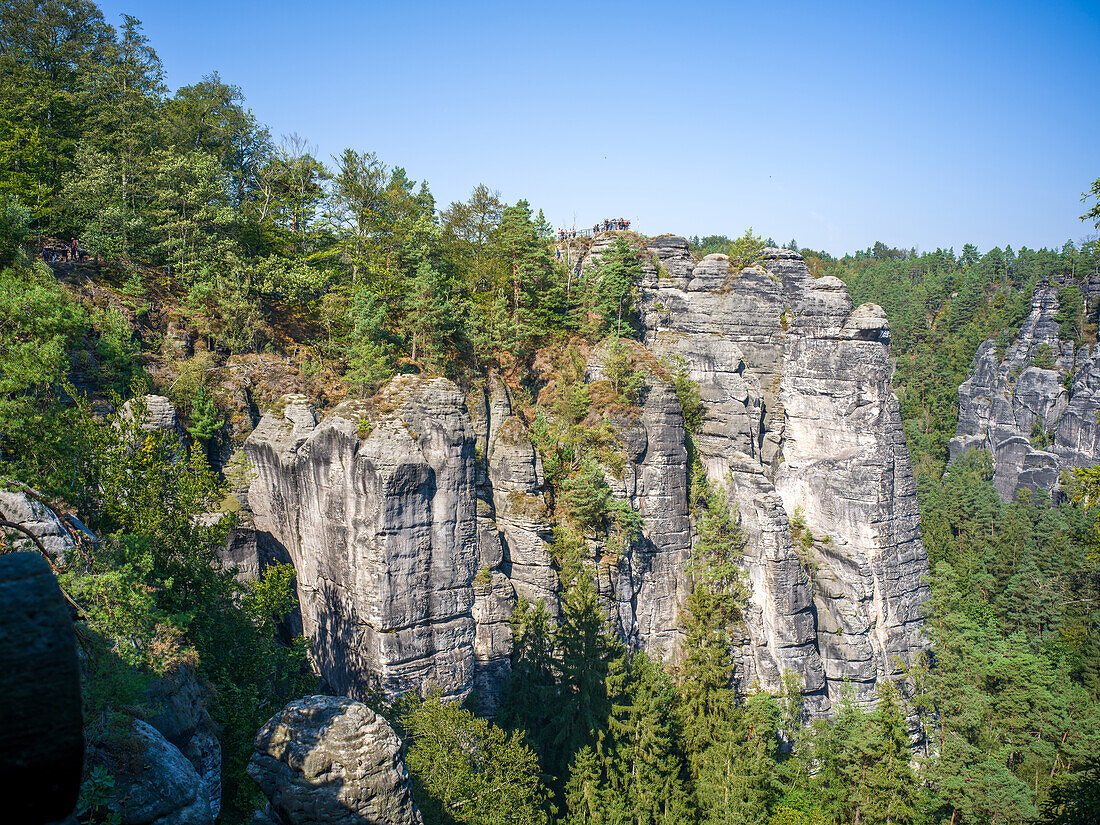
(326, 760)
(1037, 416)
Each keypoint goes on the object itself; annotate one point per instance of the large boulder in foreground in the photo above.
(41, 724)
(326, 760)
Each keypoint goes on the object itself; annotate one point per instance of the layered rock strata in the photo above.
(375, 507)
(416, 521)
(800, 416)
(1034, 407)
(645, 584)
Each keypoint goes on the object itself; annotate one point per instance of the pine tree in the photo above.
(738, 777)
(585, 794)
(528, 701)
(644, 767)
(583, 652)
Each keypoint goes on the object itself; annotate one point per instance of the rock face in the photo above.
(164, 787)
(375, 506)
(58, 533)
(325, 760)
(159, 414)
(417, 520)
(645, 584)
(1035, 416)
(183, 719)
(41, 718)
(799, 415)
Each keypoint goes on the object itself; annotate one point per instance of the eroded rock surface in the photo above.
(375, 506)
(163, 788)
(799, 415)
(326, 760)
(1037, 416)
(58, 533)
(183, 719)
(646, 583)
(416, 521)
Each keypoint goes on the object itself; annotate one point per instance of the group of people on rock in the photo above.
(64, 252)
(606, 225)
(612, 223)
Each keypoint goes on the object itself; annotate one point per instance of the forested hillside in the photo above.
(158, 241)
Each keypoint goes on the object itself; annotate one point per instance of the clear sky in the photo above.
(837, 124)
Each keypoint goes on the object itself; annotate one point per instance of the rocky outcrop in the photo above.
(325, 760)
(1034, 407)
(160, 786)
(154, 413)
(416, 520)
(846, 465)
(57, 532)
(799, 415)
(645, 584)
(182, 718)
(520, 509)
(375, 506)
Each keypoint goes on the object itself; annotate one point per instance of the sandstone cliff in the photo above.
(415, 521)
(1034, 409)
(375, 506)
(800, 416)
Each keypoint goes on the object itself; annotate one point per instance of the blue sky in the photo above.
(837, 124)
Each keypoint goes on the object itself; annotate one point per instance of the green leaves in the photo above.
(467, 770)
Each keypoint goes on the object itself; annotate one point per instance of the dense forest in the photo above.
(188, 214)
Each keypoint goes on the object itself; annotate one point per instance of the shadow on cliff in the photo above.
(270, 551)
(342, 654)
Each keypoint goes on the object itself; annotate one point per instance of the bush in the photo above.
(1043, 357)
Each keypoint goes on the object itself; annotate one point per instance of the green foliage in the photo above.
(14, 221)
(1092, 214)
(206, 418)
(369, 360)
(745, 249)
(687, 392)
(610, 291)
(1070, 315)
(156, 599)
(1043, 357)
(621, 372)
(467, 770)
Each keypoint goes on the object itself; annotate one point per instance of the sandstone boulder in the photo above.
(325, 760)
(162, 787)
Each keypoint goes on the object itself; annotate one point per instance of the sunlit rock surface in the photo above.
(1036, 418)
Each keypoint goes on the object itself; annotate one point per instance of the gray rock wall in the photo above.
(646, 584)
(1035, 421)
(799, 414)
(416, 521)
(375, 506)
